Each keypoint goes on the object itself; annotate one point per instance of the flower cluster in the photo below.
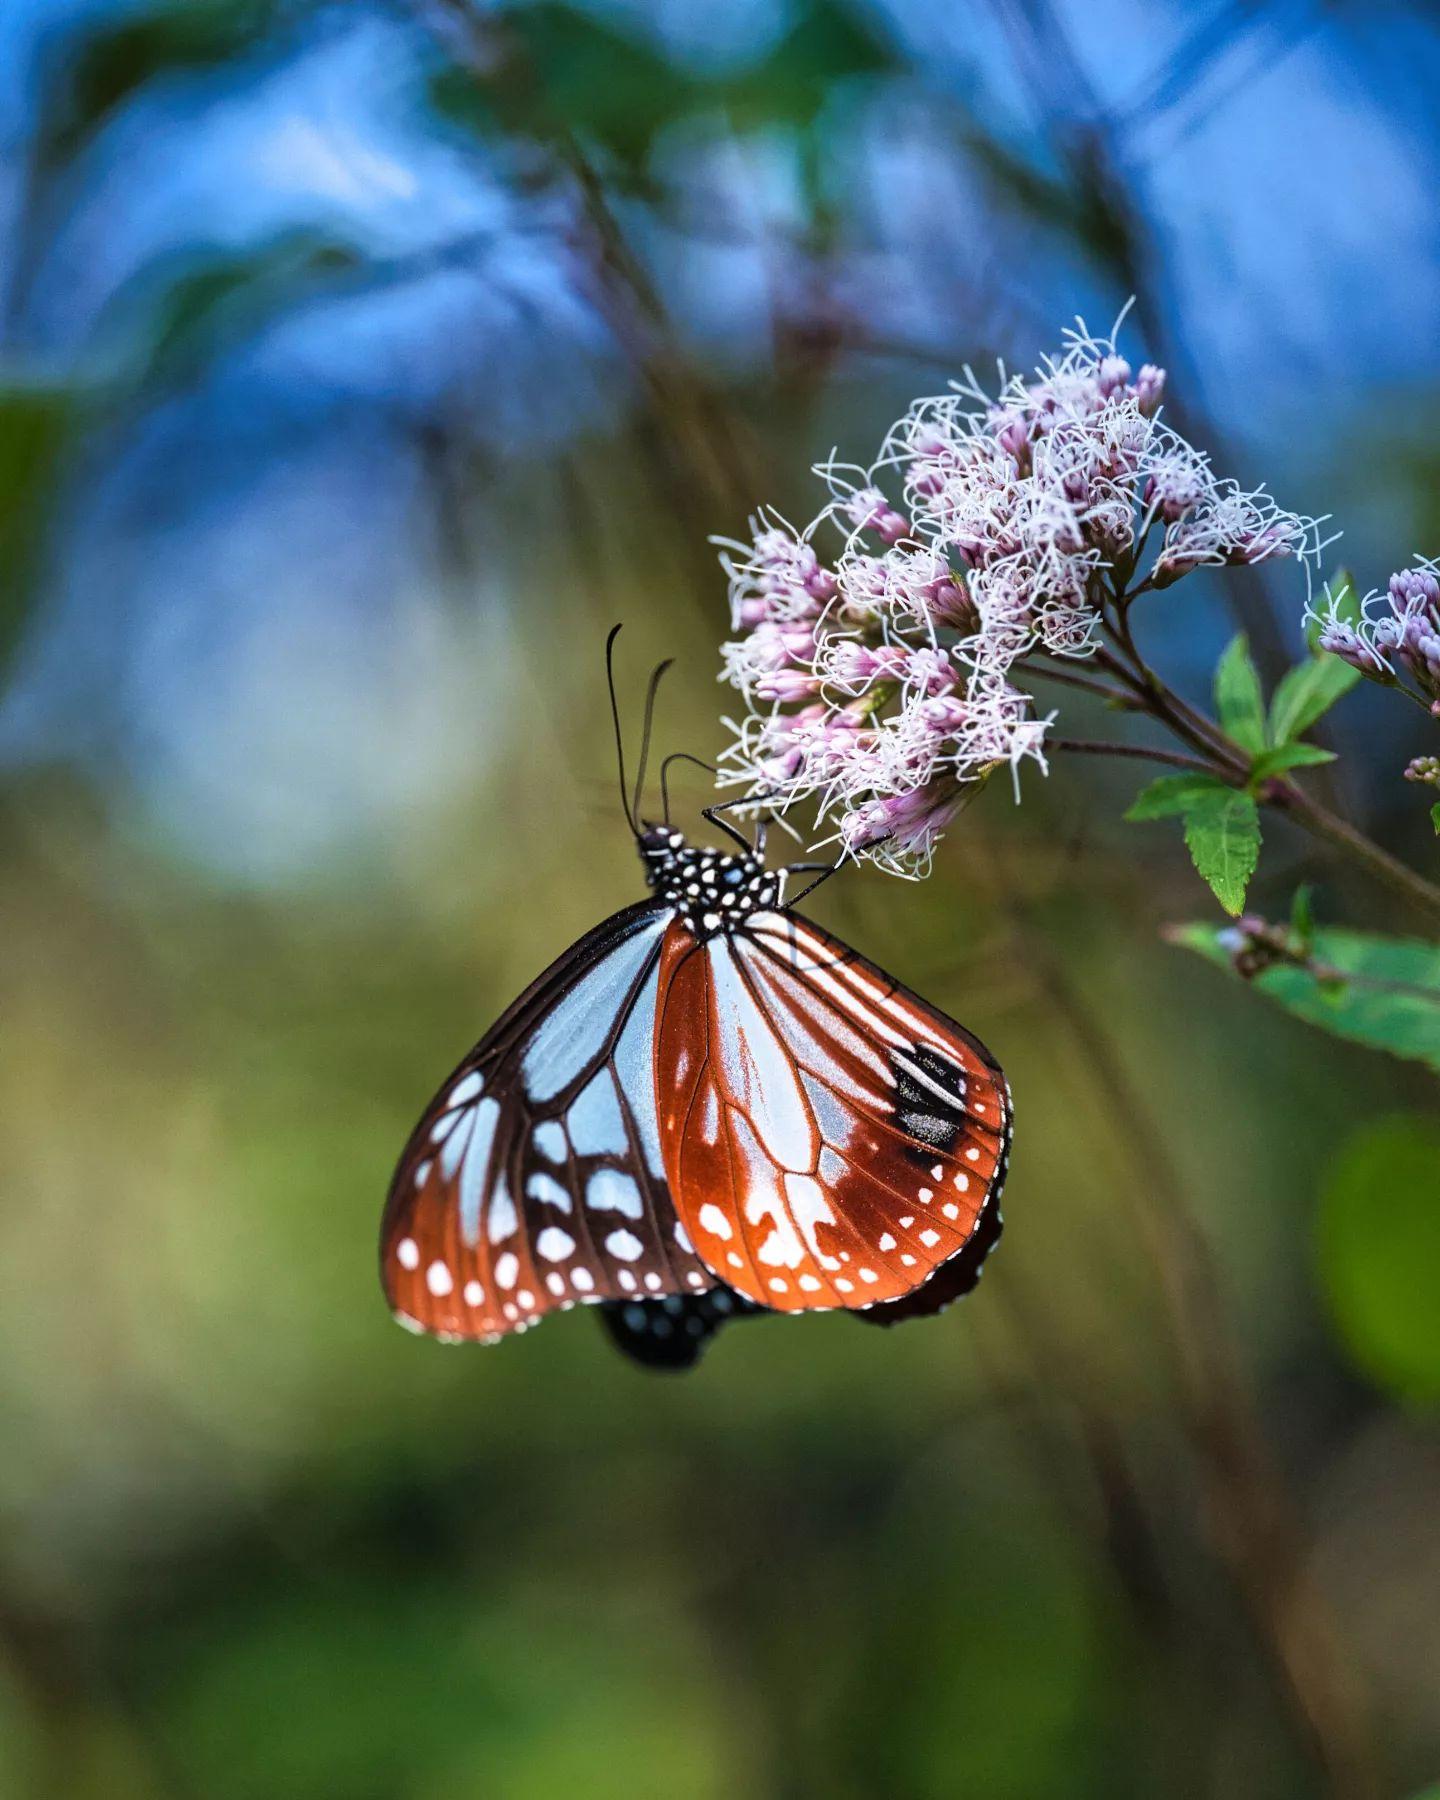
(1394, 634)
(879, 677)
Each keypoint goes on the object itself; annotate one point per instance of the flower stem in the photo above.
(1330, 828)
(1230, 762)
(1175, 758)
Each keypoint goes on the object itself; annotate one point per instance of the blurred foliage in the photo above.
(569, 68)
(179, 313)
(259, 1543)
(94, 67)
(34, 427)
(1375, 990)
(1378, 1245)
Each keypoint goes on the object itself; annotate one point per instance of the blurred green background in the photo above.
(363, 363)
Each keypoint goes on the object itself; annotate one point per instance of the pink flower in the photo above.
(878, 674)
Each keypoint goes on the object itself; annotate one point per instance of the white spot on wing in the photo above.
(502, 1222)
(547, 1190)
(407, 1253)
(507, 1269)
(439, 1280)
(550, 1140)
(467, 1088)
(714, 1221)
(554, 1244)
(625, 1245)
(610, 1190)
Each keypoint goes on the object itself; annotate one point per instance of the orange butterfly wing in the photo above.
(830, 1139)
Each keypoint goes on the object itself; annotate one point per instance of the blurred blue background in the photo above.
(359, 364)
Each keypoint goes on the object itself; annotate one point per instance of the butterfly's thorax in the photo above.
(711, 891)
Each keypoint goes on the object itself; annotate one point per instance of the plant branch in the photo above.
(1228, 759)
(1175, 758)
(1330, 828)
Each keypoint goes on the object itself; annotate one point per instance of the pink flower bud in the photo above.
(1112, 374)
(787, 685)
(1149, 389)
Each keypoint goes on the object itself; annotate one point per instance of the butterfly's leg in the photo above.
(711, 814)
(826, 870)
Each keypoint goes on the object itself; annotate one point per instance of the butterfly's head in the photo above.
(711, 890)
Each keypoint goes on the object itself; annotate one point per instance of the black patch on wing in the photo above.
(673, 1332)
(933, 1117)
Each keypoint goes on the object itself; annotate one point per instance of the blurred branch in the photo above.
(1253, 1519)
(699, 452)
(1111, 218)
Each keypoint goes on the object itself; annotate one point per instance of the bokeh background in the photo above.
(359, 365)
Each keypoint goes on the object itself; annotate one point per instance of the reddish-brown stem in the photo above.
(1066, 678)
(1145, 752)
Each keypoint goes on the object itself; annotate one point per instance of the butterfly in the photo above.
(708, 1108)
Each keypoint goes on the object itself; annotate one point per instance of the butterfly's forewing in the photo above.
(830, 1139)
(535, 1179)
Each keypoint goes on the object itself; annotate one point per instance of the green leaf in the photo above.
(1306, 693)
(1223, 833)
(1238, 697)
(1394, 1004)
(1288, 756)
(1173, 794)
(1435, 817)
(1377, 1250)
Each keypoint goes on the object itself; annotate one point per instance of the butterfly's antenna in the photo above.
(677, 756)
(619, 735)
(650, 694)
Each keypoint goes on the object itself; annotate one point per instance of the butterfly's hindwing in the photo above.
(535, 1180)
(830, 1139)
(672, 1333)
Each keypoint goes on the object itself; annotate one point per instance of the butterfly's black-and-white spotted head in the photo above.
(711, 890)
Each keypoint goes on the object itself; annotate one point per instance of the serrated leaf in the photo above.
(1393, 1002)
(1378, 1246)
(1223, 835)
(1288, 756)
(1238, 697)
(1173, 794)
(1306, 693)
